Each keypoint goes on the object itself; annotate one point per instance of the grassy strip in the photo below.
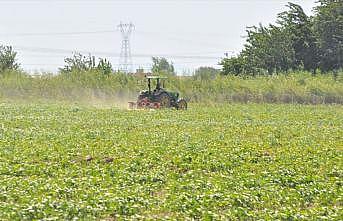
(92, 86)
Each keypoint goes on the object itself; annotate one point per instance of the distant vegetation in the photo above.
(162, 65)
(8, 59)
(295, 42)
(205, 86)
(274, 67)
(80, 63)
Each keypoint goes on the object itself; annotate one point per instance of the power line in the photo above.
(216, 35)
(170, 36)
(56, 33)
(117, 65)
(39, 54)
(109, 54)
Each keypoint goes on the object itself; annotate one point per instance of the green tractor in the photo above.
(159, 97)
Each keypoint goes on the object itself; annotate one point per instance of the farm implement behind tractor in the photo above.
(159, 97)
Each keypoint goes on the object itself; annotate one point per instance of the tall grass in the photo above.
(91, 86)
(292, 88)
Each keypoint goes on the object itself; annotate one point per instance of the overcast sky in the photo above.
(189, 33)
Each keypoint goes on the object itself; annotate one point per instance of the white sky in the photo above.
(189, 33)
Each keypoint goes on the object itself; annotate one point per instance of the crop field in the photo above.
(239, 161)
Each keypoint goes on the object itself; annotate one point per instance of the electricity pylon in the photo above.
(125, 61)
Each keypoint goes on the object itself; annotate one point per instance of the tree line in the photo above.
(296, 42)
(81, 63)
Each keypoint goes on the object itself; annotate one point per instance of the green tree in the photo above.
(268, 49)
(205, 73)
(296, 42)
(80, 63)
(105, 66)
(328, 26)
(233, 66)
(8, 59)
(161, 65)
(299, 27)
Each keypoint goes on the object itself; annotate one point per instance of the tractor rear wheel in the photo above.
(164, 100)
(182, 104)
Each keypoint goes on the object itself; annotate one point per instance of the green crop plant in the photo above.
(254, 161)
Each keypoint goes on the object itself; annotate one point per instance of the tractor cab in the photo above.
(160, 82)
